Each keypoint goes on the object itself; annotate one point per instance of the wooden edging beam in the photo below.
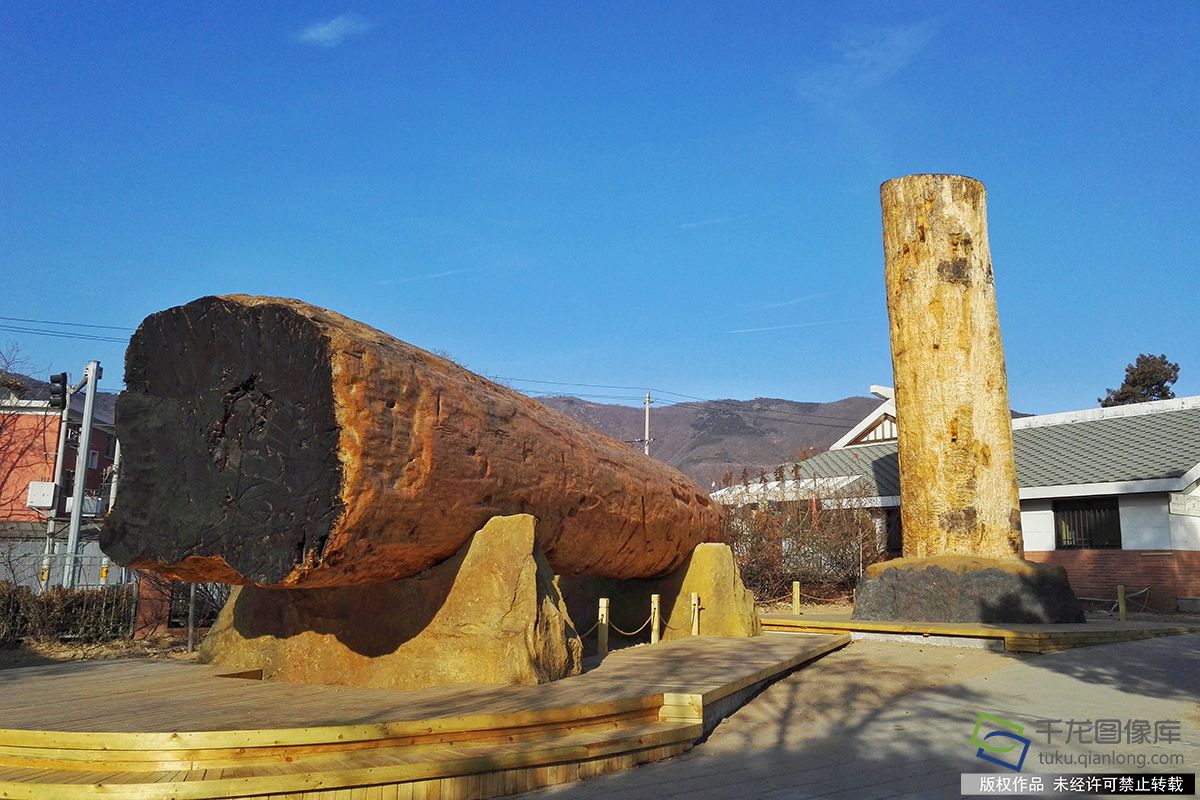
(283, 737)
(534, 749)
(354, 777)
(1024, 639)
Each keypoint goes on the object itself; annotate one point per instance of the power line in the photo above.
(810, 419)
(63, 334)
(564, 383)
(535, 393)
(72, 324)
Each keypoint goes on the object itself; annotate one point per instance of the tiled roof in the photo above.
(1158, 445)
(876, 463)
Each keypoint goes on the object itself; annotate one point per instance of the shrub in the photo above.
(80, 615)
(16, 603)
(785, 531)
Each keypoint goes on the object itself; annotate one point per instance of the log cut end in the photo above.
(228, 416)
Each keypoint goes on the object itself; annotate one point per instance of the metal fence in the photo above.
(23, 564)
(66, 615)
(105, 601)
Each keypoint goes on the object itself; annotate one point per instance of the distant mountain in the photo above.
(702, 440)
(706, 440)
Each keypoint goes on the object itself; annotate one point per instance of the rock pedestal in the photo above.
(726, 605)
(966, 589)
(490, 614)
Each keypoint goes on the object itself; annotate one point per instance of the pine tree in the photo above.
(1148, 378)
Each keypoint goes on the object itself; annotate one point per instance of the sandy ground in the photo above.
(838, 693)
(896, 669)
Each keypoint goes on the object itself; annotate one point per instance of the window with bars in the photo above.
(1091, 523)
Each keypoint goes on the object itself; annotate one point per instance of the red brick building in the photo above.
(29, 436)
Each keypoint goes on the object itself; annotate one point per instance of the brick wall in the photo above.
(1170, 574)
(154, 606)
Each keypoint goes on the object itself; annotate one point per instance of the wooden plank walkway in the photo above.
(1017, 638)
(169, 729)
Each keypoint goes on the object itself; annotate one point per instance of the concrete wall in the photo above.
(21, 563)
(1144, 522)
(1037, 524)
(1185, 528)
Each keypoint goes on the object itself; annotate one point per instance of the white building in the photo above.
(1111, 494)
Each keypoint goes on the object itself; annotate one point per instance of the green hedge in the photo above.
(80, 615)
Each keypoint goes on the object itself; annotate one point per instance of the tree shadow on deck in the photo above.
(856, 724)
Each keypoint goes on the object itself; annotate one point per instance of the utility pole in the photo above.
(59, 456)
(92, 375)
(646, 439)
(112, 498)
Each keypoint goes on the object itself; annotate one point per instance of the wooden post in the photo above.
(133, 605)
(958, 487)
(695, 614)
(796, 597)
(192, 618)
(602, 629)
(1121, 602)
(655, 617)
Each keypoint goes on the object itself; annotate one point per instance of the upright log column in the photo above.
(958, 487)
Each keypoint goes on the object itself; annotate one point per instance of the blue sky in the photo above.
(675, 195)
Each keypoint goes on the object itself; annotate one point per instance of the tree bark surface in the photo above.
(272, 442)
(958, 487)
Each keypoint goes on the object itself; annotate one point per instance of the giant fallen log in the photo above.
(272, 442)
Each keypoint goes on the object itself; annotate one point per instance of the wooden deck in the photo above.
(159, 729)
(1017, 638)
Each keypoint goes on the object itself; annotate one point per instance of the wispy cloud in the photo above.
(867, 58)
(784, 304)
(705, 222)
(333, 32)
(788, 327)
(435, 275)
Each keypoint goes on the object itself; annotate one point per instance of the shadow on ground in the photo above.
(893, 720)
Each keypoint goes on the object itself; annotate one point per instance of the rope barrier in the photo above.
(629, 633)
(842, 597)
(787, 598)
(1114, 603)
(590, 630)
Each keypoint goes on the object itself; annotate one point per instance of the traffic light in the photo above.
(58, 390)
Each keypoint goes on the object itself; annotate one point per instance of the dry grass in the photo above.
(37, 653)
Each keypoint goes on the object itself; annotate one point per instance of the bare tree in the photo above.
(796, 527)
(25, 437)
